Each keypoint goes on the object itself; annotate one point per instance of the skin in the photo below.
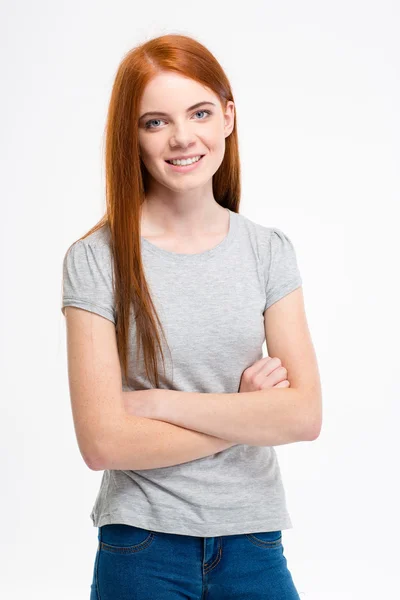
(267, 372)
(180, 212)
(181, 206)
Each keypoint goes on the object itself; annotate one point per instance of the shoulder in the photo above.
(96, 244)
(87, 280)
(89, 259)
(266, 239)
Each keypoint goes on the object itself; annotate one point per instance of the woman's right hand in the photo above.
(265, 373)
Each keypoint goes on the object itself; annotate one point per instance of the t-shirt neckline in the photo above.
(199, 256)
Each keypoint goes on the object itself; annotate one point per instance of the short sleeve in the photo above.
(87, 279)
(282, 271)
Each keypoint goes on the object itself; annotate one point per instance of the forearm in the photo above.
(270, 417)
(143, 443)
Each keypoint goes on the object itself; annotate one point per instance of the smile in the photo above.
(184, 168)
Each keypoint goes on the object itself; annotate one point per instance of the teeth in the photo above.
(182, 162)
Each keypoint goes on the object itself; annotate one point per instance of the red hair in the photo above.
(126, 178)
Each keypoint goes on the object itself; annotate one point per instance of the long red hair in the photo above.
(126, 179)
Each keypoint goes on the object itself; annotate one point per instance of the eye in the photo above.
(203, 111)
(148, 123)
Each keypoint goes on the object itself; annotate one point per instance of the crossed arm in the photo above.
(268, 417)
(174, 422)
(188, 425)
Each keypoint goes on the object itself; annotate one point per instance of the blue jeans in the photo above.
(139, 564)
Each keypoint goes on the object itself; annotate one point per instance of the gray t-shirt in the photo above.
(211, 306)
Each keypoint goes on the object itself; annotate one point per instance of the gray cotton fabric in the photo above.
(211, 306)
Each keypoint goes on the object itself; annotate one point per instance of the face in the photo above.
(193, 124)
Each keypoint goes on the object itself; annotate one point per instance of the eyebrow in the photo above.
(163, 114)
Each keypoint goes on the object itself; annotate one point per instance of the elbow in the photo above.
(102, 459)
(311, 422)
(312, 433)
(110, 453)
(95, 465)
(94, 462)
(97, 446)
(312, 428)
(94, 457)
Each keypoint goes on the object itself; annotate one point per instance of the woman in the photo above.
(191, 503)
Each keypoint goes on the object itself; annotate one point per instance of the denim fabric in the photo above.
(139, 564)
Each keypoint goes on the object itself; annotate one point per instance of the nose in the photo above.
(182, 136)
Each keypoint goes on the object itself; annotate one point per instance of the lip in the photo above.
(184, 157)
(186, 168)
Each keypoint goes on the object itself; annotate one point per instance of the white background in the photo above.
(317, 91)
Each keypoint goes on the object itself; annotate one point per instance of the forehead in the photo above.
(171, 91)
